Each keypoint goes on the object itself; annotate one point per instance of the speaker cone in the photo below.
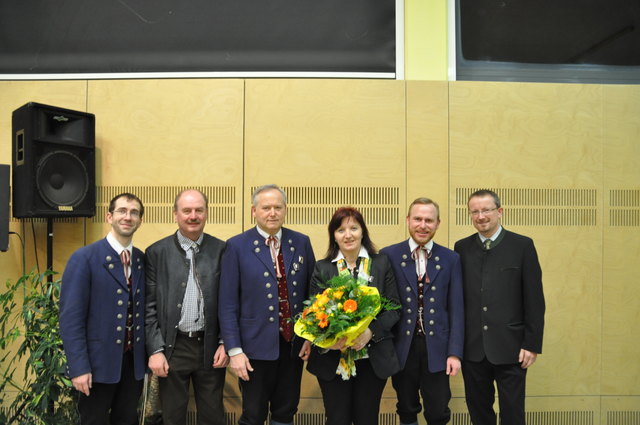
(62, 179)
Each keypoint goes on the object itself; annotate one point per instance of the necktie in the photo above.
(487, 244)
(420, 256)
(125, 257)
(274, 247)
(286, 325)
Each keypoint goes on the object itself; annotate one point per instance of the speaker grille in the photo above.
(308, 205)
(624, 208)
(537, 207)
(158, 202)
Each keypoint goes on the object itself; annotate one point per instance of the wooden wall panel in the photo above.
(621, 235)
(156, 137)
(534, 143)
(428, 148)
(339, 141)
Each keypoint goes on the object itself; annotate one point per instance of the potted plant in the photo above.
(30, 330)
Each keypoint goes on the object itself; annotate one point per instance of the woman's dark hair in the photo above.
(336, 221)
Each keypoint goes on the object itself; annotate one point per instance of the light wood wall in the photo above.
(565, 159)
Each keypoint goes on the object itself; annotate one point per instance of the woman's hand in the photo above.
(339, 345)
(362, 340)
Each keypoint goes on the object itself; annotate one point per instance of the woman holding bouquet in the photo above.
(353, 397)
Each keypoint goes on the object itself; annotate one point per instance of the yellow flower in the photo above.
(322, 299)
(338, 294)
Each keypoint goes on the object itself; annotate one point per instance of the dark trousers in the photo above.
(480, 394)
(113, 404)
(273, 384)
(415, 379)
(356, 401)
(186, 365)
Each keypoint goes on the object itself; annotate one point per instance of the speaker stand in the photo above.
(50, 249)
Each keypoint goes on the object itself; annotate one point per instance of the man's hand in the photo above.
(220, 358)
(159, 365)
(82, 383)
(240, 366)
(453, 365)
(305, 351)
(526, 358)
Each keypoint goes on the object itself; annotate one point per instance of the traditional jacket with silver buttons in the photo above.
(443, 304)
(249, 304)
(93, 312)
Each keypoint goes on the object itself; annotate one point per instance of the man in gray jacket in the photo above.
(182, 332)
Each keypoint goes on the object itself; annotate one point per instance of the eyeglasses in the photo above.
(483, 212)
(124, 211)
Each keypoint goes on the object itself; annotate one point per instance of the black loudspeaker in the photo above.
(54, 173)
(4, 207)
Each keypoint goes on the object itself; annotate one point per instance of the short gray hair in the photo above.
(266, 187)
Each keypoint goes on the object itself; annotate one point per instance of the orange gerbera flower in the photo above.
(323, 323)
(350, 306)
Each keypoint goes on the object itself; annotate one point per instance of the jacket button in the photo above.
(266, 274)
(268, 285)
(485, 327)
(408, 311)
(118, 341)
(484, 308)
(295, 283)
(409, 321)
(271, 308)
(408, 333)
(120, 302)
(119, 291)
(431, 322)
(269, 296)
(119, 328)
(408, 289)
(408, 299)
(295, 294)
(179, 306)
(183, 284)
(430, 333)
(271, 319)
(119, 316)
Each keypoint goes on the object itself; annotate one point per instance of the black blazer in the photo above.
(168, 271)
(382, 354)
(503, 298)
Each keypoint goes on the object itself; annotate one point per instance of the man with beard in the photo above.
(102, 319)
(183, 339)
(429, 337)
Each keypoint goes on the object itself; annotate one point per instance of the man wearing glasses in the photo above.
(102, 319)
(504, 313)
(183, 338)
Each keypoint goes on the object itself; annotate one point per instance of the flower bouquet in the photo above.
(344, 309)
